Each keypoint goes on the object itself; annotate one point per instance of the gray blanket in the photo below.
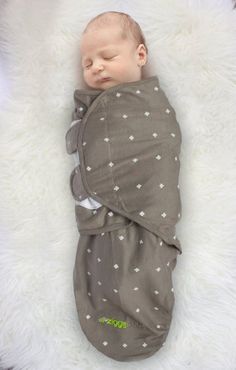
(128, 141)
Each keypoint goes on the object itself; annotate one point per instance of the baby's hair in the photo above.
(128, 25)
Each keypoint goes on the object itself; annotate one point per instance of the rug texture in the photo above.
(192, 49)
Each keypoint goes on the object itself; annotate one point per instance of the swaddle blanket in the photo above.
(126, 142)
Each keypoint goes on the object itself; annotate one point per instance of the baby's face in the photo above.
(105, 55)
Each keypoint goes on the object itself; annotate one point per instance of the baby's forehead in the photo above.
(92, 41)
(101, 47)
(102, 35)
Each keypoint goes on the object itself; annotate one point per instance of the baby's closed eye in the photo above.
(106, 58)
(110, 57)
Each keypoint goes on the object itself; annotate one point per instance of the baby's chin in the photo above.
(104, 85)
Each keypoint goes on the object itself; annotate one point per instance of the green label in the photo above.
(116, 323)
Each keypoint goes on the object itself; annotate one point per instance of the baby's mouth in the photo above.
(105, 79)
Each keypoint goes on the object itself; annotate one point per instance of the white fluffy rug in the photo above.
(192, 48)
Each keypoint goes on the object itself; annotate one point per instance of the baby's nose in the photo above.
(98, 67)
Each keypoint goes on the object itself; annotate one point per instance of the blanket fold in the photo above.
(128, 141)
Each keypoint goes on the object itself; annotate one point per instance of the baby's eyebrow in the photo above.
(84, 59)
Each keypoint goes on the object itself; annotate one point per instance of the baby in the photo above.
(126, 142)
(112, 50)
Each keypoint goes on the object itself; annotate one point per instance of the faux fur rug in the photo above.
(192, 46)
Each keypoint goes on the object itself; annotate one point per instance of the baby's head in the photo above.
(112, 45)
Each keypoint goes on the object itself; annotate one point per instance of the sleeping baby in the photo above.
(126, 142)
(113, 51)
(110, 55)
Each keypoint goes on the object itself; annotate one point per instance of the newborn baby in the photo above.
(126, 142)
(111, 53)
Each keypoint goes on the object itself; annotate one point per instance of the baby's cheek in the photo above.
(123, 70)
(86, 77)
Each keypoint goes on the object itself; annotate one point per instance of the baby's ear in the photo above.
(142, 54)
